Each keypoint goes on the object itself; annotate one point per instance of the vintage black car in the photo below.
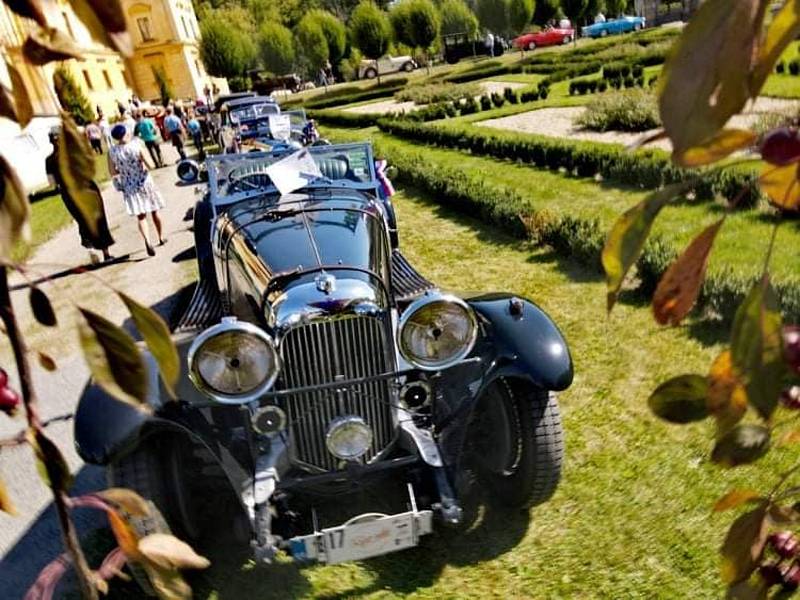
(319, 366)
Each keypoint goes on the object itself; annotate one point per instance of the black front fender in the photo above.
(528, 337)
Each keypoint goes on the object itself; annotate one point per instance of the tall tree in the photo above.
(575, 10)
(71, 96)
(416, 23)
(311, 45)
(457, 17)
(544, 11)
(370, 31)
(225, 51)
(520, 13)
(333, 30)
(493, 15)
(615, 8)
(276, 48)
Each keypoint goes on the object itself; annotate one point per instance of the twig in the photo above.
(30, 401)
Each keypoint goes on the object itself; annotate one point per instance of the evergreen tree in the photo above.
(71, 96)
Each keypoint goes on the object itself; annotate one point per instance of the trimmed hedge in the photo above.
(340, 118)
(580, 239)
(648, 169)
(351, 94)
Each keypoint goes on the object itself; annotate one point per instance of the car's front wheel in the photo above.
(516, 443)
(604, 33)
(531, 45)
(370, 73)
(408, 67)
(157, 472)
(567, 39)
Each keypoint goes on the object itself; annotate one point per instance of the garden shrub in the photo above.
(648, 169)
(602, 86)
(780, 67)
(637, 71)
(437, 92)
(794, 67)
(543, 92)
(340, 118)
(631, 110)
(510, 96)
(629, 82)
(486, 102)
(498, 100)
(529, 96)
(578, 238)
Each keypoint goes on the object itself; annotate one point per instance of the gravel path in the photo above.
(31, 539)
(559, 122)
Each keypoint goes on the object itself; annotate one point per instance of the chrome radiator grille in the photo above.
(328, 351)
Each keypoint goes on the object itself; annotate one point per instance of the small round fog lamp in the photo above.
(348, 437)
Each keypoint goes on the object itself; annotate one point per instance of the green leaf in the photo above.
(46, 361)
(680, 285)
(783, 29)
(105, 21)
(717, 147)
(41, 307)
(22, 102)
(50, 462)
(744, 544)
(681, 399)
(628, 235)
(14, 209)
(47, 45)
(706, 79)
(31, 9)
(735, 498)
(76, 168)
(158, 339)
(741, 445)
(128, 500)
(113, 358)
(756, 347)
(6, 505)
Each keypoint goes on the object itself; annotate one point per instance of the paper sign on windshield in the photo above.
(280, 126)
(293, 172)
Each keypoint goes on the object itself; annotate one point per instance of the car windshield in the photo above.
(253, 112)
(233, 177)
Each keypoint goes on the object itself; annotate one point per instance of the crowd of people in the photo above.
(132, 143)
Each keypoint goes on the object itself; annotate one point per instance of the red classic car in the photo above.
(546, 37)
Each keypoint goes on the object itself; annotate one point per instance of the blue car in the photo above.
(623, 24)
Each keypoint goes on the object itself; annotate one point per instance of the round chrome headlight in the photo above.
(437, 331)
(348, 437)
(233, 362)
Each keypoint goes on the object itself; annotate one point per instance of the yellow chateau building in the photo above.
(165, 35)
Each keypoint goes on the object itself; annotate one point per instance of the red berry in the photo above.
(771, 573)
(791, 577)
(791, 346)
(781, 147)
(9, 400)
(790, 397)
(784, 543)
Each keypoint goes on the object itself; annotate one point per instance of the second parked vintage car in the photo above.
(549, 36)
(623, 24)
(344, 404)
(370, 69)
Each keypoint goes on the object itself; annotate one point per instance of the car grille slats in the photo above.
(345, 348)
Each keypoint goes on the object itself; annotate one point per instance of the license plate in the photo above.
(358, 541)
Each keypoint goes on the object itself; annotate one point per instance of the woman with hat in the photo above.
(127, 165)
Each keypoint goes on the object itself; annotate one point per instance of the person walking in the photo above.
(146, 131)
(489, 42)
(196, 131)
(127, 165)
(95, 136)
(106, 129)
(174, 129)
(103, 239)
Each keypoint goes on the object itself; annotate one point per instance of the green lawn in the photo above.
(631, 518)
(739, 246)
